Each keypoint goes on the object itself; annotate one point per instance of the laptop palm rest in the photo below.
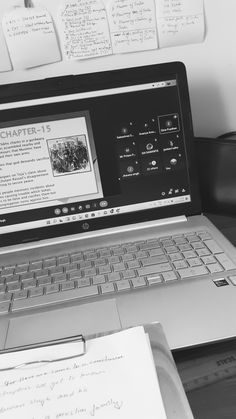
(86, 319)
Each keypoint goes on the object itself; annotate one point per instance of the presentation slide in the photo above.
(48, 161)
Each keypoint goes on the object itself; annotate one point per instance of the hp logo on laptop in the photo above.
(85, 226)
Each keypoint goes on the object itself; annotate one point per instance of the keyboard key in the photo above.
(161, 267)
(4, 308)
(123, 285)
(98, 279)
(107, 288)
(36, 292)
(113, 259)
(11, 279)
(171, 249)
(138, 282)
(189, 254)
(180, 264)
(41, 273)
(29, 283)
(56, 270)
(75, 274)
(59, 278)
(204, 235)
(104, 269)
(203, 252)
(169, 276)
(49, 289)
(16, 286)
(156, 252)
(100, 262)
(154, 279)
(225, 261)
(175, 256)
(192, 272)
(127, 257)
(129, 273)
(20, 295)
(149, 246)
(208, 259)
(154, 260)
(85, 264)
(89, 272)
(84, 282)
(26, 276)
(68, 285)
(184, 247)
(49, 263)
(195, 262)
(133, 264)
(63, 296)
(114, 276)
(5, 297)
(7, 271)
(63, 260)
(233, 279)
(21, 269)
(215, 267)
(2, 288)
(213, 246)
(44, 281)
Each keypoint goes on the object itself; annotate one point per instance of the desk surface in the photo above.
(208, 373)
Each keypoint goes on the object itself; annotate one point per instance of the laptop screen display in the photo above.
(92, 155)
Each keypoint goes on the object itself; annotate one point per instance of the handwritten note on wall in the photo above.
(180, 22)
(115, 379)
(30, 37)
(132, 25)
(84, 29)
(5, 62)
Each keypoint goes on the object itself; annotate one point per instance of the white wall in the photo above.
(211, 68)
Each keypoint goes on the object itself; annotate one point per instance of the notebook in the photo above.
(100, 216)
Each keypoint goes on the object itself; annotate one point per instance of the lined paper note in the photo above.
(132, 25)
(84, 29)
(180, 22)
(30, 37)
(5, 62)
(115, 379)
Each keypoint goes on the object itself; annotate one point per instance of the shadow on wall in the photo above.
(208, 108)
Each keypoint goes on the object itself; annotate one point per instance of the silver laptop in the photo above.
(100, 218)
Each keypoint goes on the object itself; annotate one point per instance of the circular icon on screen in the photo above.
(149, 146)
(168, 123)
(130, 169)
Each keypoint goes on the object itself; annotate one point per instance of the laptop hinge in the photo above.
(96, 234)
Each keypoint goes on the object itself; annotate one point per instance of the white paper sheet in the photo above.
(84, 29)
(115, 379)
(132, 25)
(30, 37)
(5, 62)
(180, 22)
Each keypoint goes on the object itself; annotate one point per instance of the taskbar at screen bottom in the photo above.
(5, 229)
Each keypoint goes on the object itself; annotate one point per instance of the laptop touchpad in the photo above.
(59, 323)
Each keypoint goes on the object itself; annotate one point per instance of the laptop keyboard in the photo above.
(96, 272)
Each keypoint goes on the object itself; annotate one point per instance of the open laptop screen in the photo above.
(97, 157)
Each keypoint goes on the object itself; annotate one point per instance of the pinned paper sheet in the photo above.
(180, 22)
(5, 62)
(30, 37)
(132, 25)
(84, 29)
